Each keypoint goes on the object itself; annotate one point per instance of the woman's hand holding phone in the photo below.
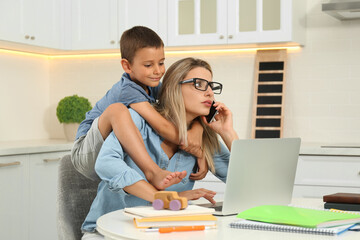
(223, 124)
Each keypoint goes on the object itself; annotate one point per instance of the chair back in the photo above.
(75, 195)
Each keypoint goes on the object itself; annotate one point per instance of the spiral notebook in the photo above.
(247, 224)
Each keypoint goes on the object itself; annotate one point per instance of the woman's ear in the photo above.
(126, 65)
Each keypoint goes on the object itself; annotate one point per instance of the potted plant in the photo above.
(71, 111)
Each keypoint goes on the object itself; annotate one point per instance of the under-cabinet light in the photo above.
(30, 54)
(168, 52)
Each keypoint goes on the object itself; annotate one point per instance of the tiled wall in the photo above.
(322, 102)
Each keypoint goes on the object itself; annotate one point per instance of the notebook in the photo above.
(149, 211)
(261, 171)
(192, 220)
(246, 224)
(296, 216)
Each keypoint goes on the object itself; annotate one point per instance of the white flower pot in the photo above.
(70, 130)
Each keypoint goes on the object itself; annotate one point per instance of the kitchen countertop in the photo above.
(34, 146)
(52, 145)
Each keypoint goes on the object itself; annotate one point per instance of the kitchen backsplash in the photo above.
(322, 103)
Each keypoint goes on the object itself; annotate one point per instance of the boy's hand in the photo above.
(194, 140)
(202, 171)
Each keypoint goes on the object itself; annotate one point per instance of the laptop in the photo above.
(260, 172)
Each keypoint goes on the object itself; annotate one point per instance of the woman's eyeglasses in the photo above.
(202, 84)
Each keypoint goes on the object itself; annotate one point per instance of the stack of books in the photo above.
(342, 201)
(193, 215)
(295, 219)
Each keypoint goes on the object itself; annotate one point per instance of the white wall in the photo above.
(24, 97)
(322, 101)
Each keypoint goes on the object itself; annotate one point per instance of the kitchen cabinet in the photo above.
(320, 175)
(43, 180)
(100, 24)
(14, 198)
(35, 22)
(213, 22)
(315, 176)
(28, 185)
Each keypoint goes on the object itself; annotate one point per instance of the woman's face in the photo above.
(197, 103)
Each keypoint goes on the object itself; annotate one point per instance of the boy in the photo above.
(142, 52)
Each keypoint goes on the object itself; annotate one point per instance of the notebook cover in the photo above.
(342, 206)
(247, 224)
(149, 211)
(194, 220)
(303, 217)
(342, 198)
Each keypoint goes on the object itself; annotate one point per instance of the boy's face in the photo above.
(147, 67)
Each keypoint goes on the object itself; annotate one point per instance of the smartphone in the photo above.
(212, 113)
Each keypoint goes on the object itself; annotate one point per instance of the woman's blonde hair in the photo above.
(171, 105)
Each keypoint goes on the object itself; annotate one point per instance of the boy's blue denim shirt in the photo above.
(117, 170)
(124, 91)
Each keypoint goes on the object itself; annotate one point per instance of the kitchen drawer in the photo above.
(319, 191)
(343, 171)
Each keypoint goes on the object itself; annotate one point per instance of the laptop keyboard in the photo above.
(217, 208)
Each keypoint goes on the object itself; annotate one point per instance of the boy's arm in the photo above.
(161, 125)
(168, 131)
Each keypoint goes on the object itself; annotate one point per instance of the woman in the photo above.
(186, 96)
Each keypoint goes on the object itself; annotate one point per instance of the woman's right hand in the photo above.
(223, 124)
(195, 194)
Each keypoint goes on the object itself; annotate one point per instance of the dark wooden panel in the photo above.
(269, 99)
(271, 111)
(270, 88)
(267, 133)
(268, 122)
(271, 77)
(266, 66)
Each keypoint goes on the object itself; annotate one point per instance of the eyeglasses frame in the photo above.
(208, 83)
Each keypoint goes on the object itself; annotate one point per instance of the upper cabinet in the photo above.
(100, 24)
(211, 22)
(35, 22)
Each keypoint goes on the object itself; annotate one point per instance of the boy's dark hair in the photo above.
(137, 38)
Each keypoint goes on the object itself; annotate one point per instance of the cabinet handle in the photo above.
(112, 42)
(51, 160)
(221, 37)
(32, 38)
(9, 164)
(27, 36)
(230, 36)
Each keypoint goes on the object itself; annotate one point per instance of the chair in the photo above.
(74, 197)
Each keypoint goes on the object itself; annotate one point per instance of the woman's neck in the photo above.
(189, 120)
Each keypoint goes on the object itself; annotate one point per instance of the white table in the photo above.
(116, 225)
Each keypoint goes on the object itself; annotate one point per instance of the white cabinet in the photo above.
(28, 186)
(320, 175)
(93, 24)
(43, 191)
(210, 22)
(35, 22)
(14, 200)
(100, 24)
(316, 176)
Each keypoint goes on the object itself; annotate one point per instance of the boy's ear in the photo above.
(126, 65)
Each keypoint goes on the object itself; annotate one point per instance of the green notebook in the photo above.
(296, 216)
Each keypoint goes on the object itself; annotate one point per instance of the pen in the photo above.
(178, 229)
